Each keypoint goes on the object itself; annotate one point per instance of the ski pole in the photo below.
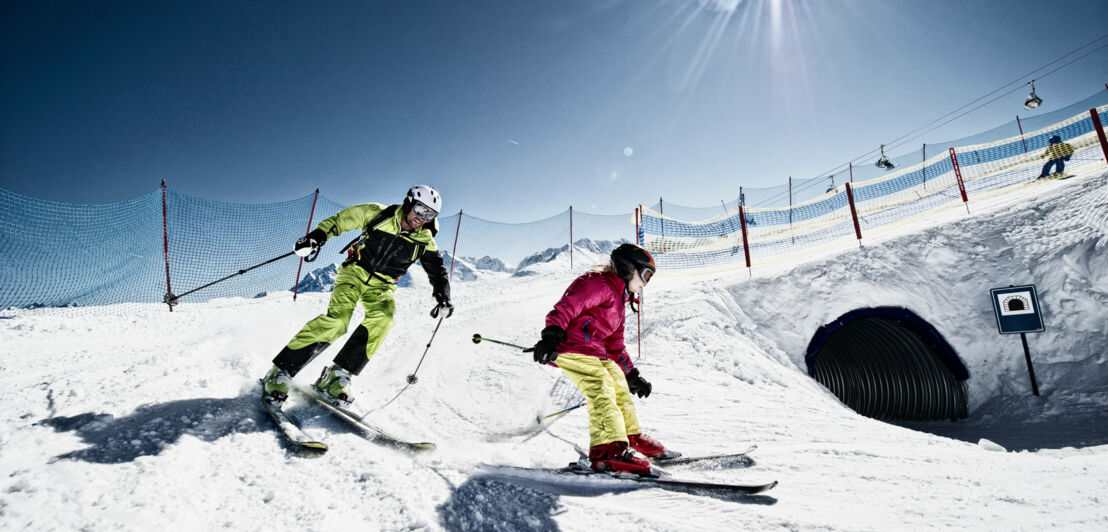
(412, 379)
(538, 420)
(478, 339)
(171, 299)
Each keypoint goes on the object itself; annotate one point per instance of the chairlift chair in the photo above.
(884, 162)
(1033, 100)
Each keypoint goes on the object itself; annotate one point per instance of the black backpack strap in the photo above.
(385, 214)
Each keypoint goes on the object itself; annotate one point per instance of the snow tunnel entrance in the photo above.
(888, 363)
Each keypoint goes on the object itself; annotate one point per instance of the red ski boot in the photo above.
(650, 447)
(617, 456)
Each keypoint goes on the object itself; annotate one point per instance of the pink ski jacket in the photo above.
(592, 312)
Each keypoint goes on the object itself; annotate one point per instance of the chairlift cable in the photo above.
(907, 136)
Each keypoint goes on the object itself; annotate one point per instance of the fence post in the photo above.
(662, 211)
(165, 240)
(851, 164)
(924, 167)
(1100, 131)
(638, 216)
(638, 315)
(454, 251)
(958, 175)
(1021, 133)
(311, 215)
(746, 246)
(854, 213)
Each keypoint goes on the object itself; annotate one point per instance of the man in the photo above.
(1058, 152)
(393, 238)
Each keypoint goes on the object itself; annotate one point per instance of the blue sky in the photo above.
(513, 110)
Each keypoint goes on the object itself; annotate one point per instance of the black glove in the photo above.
(637, 384)
(444, 304)
(543, 351)
(442, 296)
(1066, 158)
(306, 245)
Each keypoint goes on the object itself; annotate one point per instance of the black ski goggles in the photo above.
(424, 212)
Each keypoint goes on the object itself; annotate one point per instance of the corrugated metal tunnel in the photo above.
(888, 363)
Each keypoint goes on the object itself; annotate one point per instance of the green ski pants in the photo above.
(352, 285)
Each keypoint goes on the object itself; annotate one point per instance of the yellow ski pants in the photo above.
(611, 411)
(352, 284)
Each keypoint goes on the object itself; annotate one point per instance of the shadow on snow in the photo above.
(487, 502)
(150, 429)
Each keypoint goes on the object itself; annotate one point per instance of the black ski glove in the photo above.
(637, 384)
(443, 298)
(543, 351)
(444, 305)
(306, 245)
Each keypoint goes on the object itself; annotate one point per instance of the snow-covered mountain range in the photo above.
(468, 269)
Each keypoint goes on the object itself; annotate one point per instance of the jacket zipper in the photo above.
(587, 330)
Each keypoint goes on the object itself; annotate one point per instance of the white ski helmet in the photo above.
(425, 195)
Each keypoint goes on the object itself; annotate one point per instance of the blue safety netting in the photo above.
(884, 200)
(805, 189)
(56, 254)
(64, 255)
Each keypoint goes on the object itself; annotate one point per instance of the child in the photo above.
(584, 336)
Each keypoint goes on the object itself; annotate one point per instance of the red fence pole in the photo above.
(311, 214)
(746, 246)
(571, 237)
(924, 167)
(1100, 131)
(453, 252)
(1021, 134)
(854, 213)
(638, 218)
(165, 239)
(662, 211)
(958, 175)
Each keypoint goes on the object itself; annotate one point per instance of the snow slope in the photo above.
(130, 417)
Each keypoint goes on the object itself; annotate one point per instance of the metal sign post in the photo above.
(1017, 311)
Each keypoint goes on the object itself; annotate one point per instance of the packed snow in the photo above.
(131, 417)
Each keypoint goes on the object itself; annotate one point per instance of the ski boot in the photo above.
(275, 385)
(333, 386)
(650, 448)
(618, 457)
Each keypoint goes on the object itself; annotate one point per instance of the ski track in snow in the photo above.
(130, 417)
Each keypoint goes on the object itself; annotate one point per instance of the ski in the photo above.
(677, 459)
(729, 458)
(371, 432)
(296, 436)
(579, 478)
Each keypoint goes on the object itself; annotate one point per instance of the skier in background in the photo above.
(1059, 152)
(584, 337)
(393, 238)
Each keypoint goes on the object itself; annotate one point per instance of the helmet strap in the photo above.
(631, 295)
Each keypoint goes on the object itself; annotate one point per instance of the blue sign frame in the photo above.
(1017, 309)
